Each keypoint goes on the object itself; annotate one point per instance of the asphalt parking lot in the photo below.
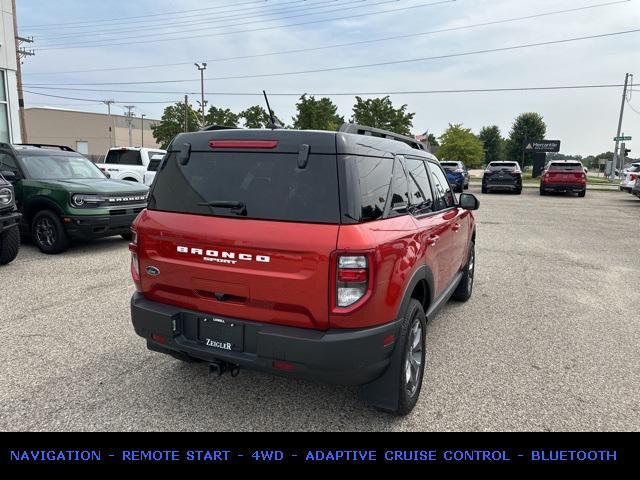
(549, 341)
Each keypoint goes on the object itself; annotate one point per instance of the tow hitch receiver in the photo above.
(218, 368)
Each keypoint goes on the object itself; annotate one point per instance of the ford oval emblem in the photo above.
(153, 271)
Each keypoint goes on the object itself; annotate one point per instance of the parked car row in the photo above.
(62, 196)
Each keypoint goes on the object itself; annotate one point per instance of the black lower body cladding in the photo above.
(99, 226)
(575, 188)
(344, 357)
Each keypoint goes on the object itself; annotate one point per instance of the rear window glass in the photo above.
(449, 164)
(501, 165)
(270, 186)
(124, 157)
(566, 166)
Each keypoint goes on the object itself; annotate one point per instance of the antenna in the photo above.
(273, 124)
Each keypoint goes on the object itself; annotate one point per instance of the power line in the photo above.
(632, 107)
(373, 93)
(352, 67)
(203, 21)
(124, 19)
(156, 40)
(349, 44)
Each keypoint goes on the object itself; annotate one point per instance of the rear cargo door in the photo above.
(243, 234)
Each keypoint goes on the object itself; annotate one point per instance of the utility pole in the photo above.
(202, 67)
(142, 119)
(129, 116)
(186, 113)
(615, 151)
(108, 103)
(20, 54)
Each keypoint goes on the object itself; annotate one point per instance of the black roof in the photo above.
(319, 141)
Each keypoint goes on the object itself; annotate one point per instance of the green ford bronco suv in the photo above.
(63, 196)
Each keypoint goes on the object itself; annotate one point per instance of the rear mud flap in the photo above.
(384, 393)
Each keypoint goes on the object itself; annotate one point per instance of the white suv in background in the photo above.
(629, 177)
(128, 163)
(154, 166)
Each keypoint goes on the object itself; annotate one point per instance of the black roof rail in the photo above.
(46, 145)
(209, 128)
(377, 132)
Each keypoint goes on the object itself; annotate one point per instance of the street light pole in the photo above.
(142, 119)
(202, 67)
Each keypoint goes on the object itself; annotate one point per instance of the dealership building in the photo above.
(9, 116)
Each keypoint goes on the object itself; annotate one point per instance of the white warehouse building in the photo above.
(9, 113)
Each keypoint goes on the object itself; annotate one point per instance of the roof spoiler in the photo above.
(210, 128)
(377, 132)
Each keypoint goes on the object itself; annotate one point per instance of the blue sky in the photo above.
(584, 120)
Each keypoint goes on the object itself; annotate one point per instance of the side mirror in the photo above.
(9, 176)
(107, 174)
(469, 201)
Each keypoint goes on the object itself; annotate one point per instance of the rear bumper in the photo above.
(559, 187)
(89, 227)
(504, 185)
(345, 357)
(9, 221)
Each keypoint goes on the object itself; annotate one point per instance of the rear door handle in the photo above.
(432, 240)
(456, 227)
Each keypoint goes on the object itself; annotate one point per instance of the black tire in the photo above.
(409, 393)
(48, 233)
(392, 392)
(466, 187)
(519, 191)
(465, 287)
(542, 192)
(9, 245)
(484, 189)
(130, 180)
(127, 236)
(582, 193)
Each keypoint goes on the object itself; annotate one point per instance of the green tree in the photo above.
(172, 123)
(380, 113)
(317, 114)
(255, 117)
(433, 143)
(459, 143)
(526, 127)
(493, 144)
(221, 116)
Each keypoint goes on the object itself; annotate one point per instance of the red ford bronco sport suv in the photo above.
(311, 254)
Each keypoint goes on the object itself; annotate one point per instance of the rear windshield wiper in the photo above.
(239, 207)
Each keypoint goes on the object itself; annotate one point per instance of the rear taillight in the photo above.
(135, 261)
(632, 177)
(352, 279)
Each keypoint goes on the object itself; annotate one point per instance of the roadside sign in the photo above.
(621, 139)
(545, 146)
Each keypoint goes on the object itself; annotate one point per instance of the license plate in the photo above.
(221, 334)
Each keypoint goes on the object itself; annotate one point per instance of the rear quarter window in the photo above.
(270, 185)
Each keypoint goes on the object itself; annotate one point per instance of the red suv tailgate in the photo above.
(273, 272)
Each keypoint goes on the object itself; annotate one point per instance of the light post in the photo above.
(202, 67)
(142, 119)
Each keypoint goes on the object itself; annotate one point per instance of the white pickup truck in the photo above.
(128, 163)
